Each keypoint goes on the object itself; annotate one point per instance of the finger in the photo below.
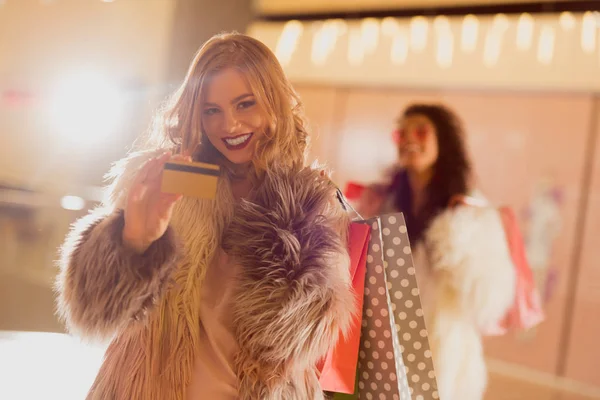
(180, 157)
(142, 174)
(137, 187)
(187, 153)
(169, 198)
(164, 157)
(167, 203)
(157, 168)
(137, 193)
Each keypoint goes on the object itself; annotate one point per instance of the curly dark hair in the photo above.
(451, 171)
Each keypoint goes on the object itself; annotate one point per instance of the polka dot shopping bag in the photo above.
(395, 360)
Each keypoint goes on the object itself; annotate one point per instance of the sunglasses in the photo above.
(399, 135)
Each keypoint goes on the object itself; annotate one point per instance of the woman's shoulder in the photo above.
(470, 218)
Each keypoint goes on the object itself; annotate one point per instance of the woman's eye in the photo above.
(211, 111)
(246, 104)
(421, 132)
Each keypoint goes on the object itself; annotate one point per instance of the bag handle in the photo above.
(346, 204)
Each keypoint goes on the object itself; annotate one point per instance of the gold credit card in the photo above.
(193, 179)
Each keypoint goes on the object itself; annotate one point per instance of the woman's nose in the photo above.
(231, 122)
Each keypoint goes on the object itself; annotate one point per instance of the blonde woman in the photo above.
(233, 298)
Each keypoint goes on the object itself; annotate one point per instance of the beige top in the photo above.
(214, 377)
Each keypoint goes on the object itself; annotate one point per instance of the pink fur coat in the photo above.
(292, 297)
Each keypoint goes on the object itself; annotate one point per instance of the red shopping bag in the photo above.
(338, 369)
(527, 310)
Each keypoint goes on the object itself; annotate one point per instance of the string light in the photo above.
(356, 52)
(470, 28)
(389, 26)
(445, 49)
(501, 23)
(444, 41)
(588, 32)
(567, 21)
(525, 26)
(288, 41)
(545, 50)
(441, 24)
(369, 29)
(419, 27)
(491, 50)
(399, 48)
(364, 37)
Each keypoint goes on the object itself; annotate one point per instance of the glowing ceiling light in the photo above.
(441, 23)
(419, 27)
(567, 21)
(445, 50)
(525, 27)
(341, 25)
(369, 29)
(399, 49)
(588, 32)
(470, 28)
(389, 26)
(323, 43)
(356, 51)
(501, 22)
(545, 50)
(288, 41)
(492, 47)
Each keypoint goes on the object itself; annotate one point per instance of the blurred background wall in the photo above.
(79, 80)
(525, 83)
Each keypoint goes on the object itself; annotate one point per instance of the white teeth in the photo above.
(238, 140)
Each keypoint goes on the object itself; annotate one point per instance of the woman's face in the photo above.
(231, 118)
(417, 143)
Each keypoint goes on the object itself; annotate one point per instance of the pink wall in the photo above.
(583, 356)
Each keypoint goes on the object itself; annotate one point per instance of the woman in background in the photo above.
(464, 269)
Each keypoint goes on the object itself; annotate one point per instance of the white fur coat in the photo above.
(467, 284)
(472, 285)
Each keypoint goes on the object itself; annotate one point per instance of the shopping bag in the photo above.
(338, 371)
(395, 360)
(527, 310)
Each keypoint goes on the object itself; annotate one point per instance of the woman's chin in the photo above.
(240, 162)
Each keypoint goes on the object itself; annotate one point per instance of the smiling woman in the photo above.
(261, 273)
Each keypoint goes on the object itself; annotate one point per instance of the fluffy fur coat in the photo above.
(292, 298)
(467, 282)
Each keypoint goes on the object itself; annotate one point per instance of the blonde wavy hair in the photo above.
(179, 123)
